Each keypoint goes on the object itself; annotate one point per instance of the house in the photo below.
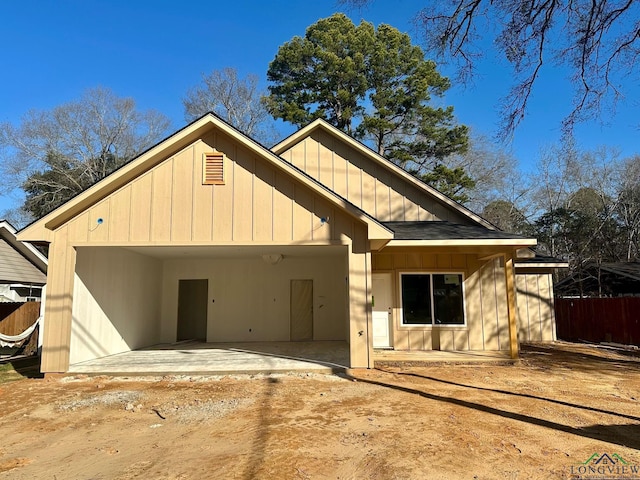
(208, 235)
(23, 269)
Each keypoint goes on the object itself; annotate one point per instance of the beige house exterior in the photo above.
(209, 235)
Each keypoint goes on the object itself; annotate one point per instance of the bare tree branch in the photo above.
(55, 154)
(237, 100)
(598, 41)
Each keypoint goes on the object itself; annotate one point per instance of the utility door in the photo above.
(192, 309)
(301, 310)
(382, 308)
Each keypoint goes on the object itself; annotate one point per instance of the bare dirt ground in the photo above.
(553, 410)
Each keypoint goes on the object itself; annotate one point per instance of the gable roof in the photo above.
(323, 125)
(19, 262)
(41, 230)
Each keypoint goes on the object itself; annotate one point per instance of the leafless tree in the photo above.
(55, 154)
(628, 207)
(598, 41)
(237, 100)
(493, 170)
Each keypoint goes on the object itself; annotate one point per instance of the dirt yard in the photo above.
(541, 418)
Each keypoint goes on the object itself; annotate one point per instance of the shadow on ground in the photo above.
(544, 357)
(11, 370)
(576, 356)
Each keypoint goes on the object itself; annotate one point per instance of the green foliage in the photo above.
(580, 235)
(322, 75)
(61, 180)
(20, 369)
(450, 181)
(373, 84)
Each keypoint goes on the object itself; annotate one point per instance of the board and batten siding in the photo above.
(168, 205)
(367, 184)
(536, 315)
(486, 310)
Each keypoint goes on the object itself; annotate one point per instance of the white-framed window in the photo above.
(429, 299)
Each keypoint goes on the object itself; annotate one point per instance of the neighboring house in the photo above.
(608, 279)
(23, 269)
(208, 235)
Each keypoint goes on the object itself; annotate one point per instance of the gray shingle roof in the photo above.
(441, 230)
(541, 259)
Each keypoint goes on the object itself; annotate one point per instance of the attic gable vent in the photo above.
(213, 168)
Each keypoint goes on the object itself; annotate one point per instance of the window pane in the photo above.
(416, 299)
(447, 298)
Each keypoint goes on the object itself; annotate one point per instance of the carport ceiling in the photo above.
(236, 252)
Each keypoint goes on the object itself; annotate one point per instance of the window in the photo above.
(432, 299)
(213, 168)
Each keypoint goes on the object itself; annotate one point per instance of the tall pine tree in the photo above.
(375, 85)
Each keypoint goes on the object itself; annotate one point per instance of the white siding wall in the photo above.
(251, 294)
(116, 302)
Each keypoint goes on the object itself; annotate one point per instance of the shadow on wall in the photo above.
(116, 303)
(545, 315)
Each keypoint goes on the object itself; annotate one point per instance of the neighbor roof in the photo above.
(20, 262)
(614, 278)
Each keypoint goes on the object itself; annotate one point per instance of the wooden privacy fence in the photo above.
(16, 317)
(598, 319)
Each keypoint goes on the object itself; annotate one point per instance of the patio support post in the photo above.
(511, 306)
(59, 304)
(369, 313)
(359, 288)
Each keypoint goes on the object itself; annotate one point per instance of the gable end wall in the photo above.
(365, 183)
(169, 204)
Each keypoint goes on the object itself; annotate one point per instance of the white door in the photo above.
(382, 305)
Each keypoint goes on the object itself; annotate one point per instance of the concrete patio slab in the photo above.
(197, 358)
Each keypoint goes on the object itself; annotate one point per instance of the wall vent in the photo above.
(213, 168)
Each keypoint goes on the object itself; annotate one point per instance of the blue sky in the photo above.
(154, 51)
